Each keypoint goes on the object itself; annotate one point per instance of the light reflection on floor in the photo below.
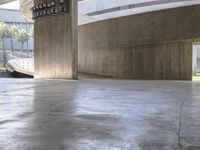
(99, 114)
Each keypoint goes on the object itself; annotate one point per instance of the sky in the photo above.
(12, 5)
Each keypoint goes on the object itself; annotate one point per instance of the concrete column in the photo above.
(56, 44)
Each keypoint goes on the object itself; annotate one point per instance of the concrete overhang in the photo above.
(102, 8)
(25, 6)
(5, 1)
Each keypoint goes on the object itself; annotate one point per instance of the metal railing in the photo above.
(21, 62)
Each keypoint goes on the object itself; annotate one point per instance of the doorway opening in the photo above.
(196, 62)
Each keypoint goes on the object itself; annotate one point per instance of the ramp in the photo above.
(21, 63)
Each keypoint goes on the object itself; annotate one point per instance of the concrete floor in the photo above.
(99, 115)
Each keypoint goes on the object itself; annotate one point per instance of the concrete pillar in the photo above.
(56, 44)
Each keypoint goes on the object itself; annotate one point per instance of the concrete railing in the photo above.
(20, 62)
(25, 6)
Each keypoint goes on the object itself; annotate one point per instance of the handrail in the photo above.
(19, 55)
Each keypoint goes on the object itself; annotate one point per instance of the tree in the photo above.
(22, 36)
(3, 36)
(12, 34)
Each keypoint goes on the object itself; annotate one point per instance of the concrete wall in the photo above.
(56, 44)
(171, 60)
(144, 46)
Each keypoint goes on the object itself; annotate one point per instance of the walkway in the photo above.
(99, 115)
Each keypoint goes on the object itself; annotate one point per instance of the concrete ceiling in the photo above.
(106, 9)
(25, 6)
(5, 1)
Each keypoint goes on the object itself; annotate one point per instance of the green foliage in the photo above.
(22, 36)
(4, 31)
(3, 70)
(13, 32)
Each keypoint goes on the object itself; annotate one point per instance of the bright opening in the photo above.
(16, 42)
(196, 62)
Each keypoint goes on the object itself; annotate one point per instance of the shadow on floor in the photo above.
(13, 75)
(5, 75)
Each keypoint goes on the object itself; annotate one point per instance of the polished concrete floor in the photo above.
(99, 115)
